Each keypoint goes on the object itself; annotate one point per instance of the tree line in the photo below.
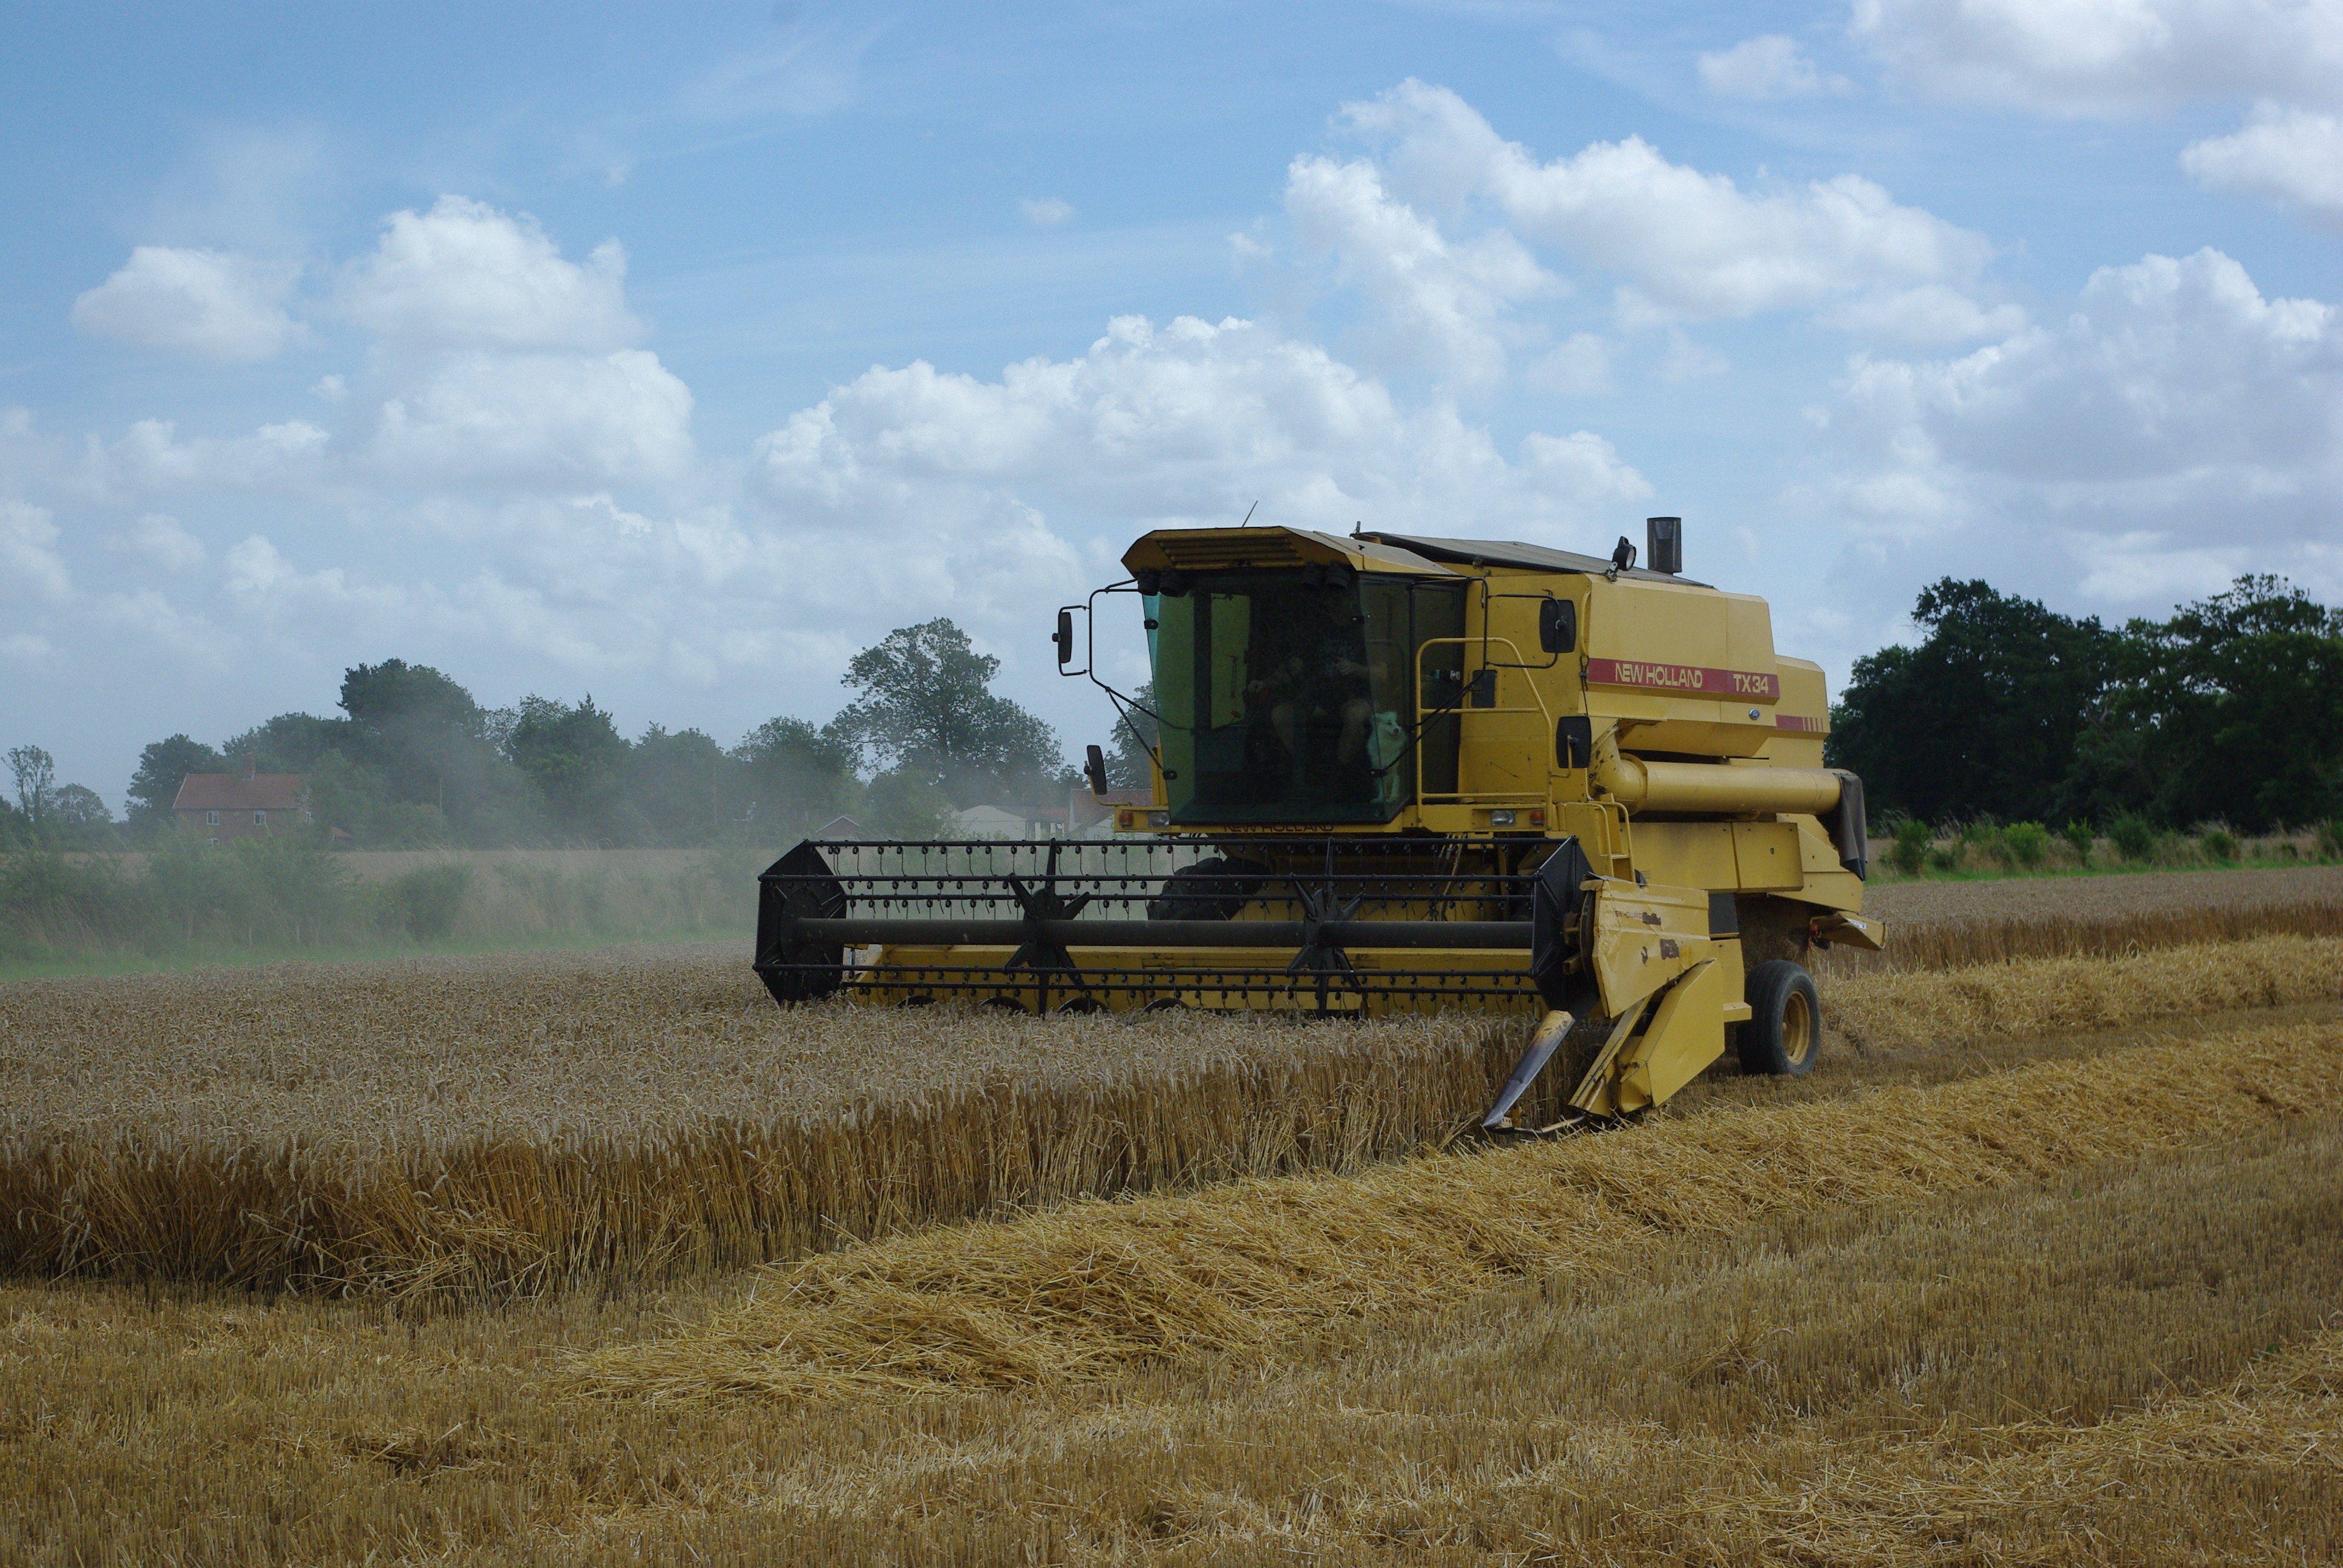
(2228, 711)
(412, 760)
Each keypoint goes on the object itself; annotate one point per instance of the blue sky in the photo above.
(673, 354)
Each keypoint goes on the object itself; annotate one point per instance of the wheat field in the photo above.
(1916, 1366)
(484, 1127)
(602, 1258)
(1957, 925)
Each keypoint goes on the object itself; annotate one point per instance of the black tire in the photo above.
(1213, 889)
(1783, 1036)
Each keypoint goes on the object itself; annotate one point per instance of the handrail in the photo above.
(1460, 797)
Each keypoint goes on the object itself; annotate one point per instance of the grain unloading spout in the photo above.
(1831, 795)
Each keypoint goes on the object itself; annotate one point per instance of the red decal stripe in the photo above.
(1801, 723)
(1684, 679)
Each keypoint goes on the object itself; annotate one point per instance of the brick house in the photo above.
(220, 807)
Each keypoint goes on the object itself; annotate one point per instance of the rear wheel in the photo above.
(1783, 1036)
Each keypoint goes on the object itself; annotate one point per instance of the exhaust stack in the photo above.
(1663, 541)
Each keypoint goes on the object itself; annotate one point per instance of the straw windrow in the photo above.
(2030, 998)
(1899, 1503)
(1093, 1289)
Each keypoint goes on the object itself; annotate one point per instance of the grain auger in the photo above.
(1402, 774)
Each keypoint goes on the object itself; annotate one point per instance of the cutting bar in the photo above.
(860, 930)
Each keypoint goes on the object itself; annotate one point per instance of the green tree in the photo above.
(2232, 709)
(34, 773)
(900, 805)
(288, 743)
(163, 767)
(926, 710)
(795, 776)
(78, 806)
(1129, 761)
(1982, 716)
(574, 757)
(680, 787)
(432, 745)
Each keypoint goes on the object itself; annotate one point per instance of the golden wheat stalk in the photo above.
(1094, 1288)
(492, 1126)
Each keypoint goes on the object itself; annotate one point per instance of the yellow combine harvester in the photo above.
(1395, 774)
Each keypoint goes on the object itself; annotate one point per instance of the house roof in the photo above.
(235, 792)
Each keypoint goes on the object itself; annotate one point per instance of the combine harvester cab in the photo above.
(1405, 774)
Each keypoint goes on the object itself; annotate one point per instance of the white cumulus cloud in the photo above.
(2289, 156)
(28, 549)
(2177, 418)
(563, 419)
(466, 276)
(1686, 245)
(927, 482)
(1930, 313)
(1438, 304)
(212, 305)
(2109, 57)
(150, 457)
(1768, 66)
(1046, 212)
(157, 538)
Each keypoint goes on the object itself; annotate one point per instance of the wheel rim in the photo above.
(1797, 1028)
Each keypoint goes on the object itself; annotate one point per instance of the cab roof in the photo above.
(1269, 547)
(1514, 553)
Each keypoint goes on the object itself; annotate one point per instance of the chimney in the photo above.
(251, 765)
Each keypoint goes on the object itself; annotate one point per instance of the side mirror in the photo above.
(1064, 638)
(1558, 625)
(1574, 741)
(1094, 770)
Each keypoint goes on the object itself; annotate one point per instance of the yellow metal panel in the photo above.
(1767, 855)
(1735, 970)
(1686, 854)
(1833, 890)
(1685, 1035)
(1645, 938)
(1597, 1092)
(1815, 851)
(1689, 670)
(1802, 718)
(1854, 931)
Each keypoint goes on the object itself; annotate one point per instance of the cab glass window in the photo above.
(1287, 698)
